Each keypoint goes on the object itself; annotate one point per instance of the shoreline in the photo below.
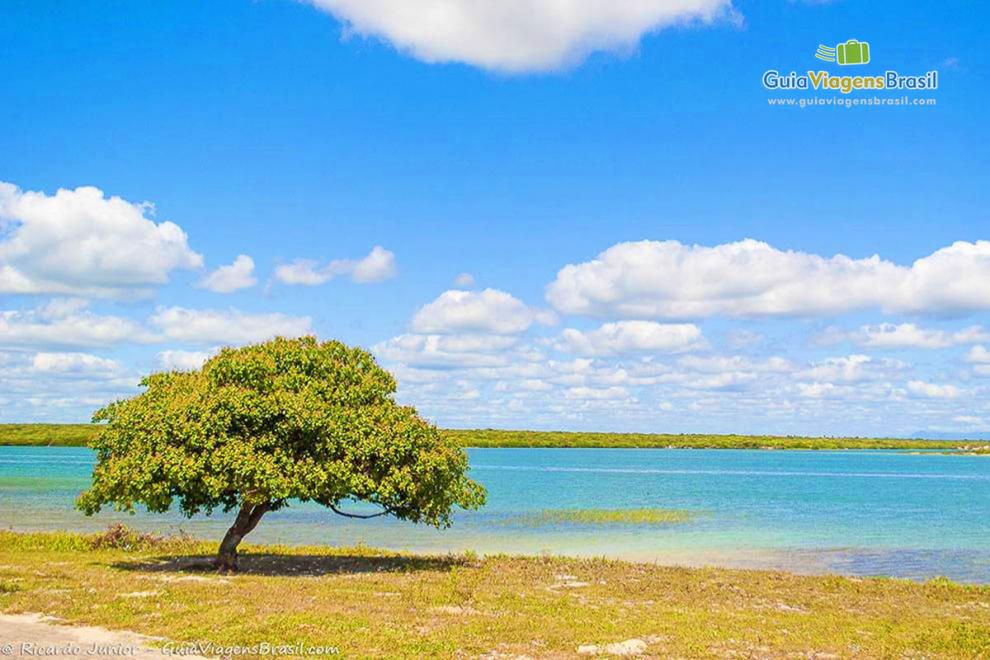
(795, 560)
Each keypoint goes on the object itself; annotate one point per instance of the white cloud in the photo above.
(305, 272)
(230, 278)
(377, 266)
(631, 337)
(851, 368)
(979, 355)
(73, 363)
(932, 391)
(57, 308)
(55, 386)
(517, 35)
(464, 281)
(447, 351)
(599, 394)
(59, 324)
(81, 242)
(174, 360)
(909, 335)
(723, 381)
(734, 363)
(231, 326)
(488, 311)
(652, 279)
(817, 390)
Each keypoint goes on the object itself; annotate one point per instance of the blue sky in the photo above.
(507, 144)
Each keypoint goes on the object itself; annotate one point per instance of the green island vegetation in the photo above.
(499, 438)
(81, 434)
(605, 517)
(54, 435)
(377, 604)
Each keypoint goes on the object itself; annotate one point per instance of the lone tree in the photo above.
(256, 427)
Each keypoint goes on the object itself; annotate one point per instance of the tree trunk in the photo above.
(247, 519)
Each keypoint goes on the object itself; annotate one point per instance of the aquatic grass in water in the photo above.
(605, 516)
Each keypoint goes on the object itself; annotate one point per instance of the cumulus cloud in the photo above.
(81, 242)
(60, 386)
(448, 351)
(377, 266)
(908, 335)
(175, 360)
(488, 311)
(979, 355)
(851, 368)
(232, 277)
(212, 326)
(66, 323)
(633, 337)
(517, 35)
(748, 278)
(734, 363)
(597, 394)
(73, 363)
(926, 390)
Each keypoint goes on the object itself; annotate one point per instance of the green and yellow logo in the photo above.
(852, 51)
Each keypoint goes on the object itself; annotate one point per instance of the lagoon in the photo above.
(901, 514)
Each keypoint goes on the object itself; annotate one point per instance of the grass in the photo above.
(606, 516)
(80, 434)
(375, 604)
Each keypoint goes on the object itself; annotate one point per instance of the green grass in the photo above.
(80, 434)
(379, 604)
(606, 516)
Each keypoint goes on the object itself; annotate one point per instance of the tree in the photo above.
(260, 426)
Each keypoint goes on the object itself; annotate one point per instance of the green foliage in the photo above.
(500, 438)
(273, 422)
(81, 434)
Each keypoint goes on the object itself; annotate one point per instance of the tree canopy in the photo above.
(259, 426)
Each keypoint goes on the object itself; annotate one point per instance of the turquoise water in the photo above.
(863, 513)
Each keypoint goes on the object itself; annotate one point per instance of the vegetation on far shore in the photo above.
(375, 604)
(55, 435)
(80, 434)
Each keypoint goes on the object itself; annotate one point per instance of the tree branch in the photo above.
(358, 515)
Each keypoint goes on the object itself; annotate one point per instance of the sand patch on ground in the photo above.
(27, 635)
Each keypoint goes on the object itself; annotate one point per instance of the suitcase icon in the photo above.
(853, 52)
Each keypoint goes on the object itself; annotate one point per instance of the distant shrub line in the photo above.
(78, 435)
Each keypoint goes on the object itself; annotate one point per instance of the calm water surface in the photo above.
(863, 513)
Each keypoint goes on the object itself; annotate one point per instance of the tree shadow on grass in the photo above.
(296, 565)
